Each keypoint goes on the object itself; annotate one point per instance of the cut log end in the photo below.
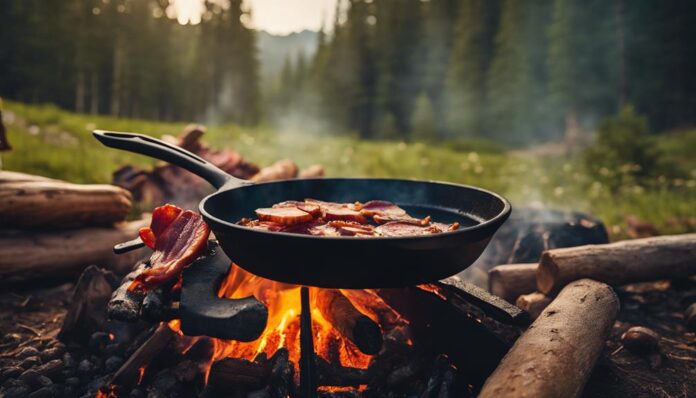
(546, 273)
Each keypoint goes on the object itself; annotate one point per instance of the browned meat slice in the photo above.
(311, 208)
(404, 219)
(344, 214)
(264, 225)
(339, 211)
(348, 228)
(314, 228)
(396, 228)
(382, 208)
(284, 215)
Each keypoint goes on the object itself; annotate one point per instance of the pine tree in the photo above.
(469, 62)
(518, 109)
(582, 60)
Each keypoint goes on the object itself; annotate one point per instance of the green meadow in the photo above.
(58, 144)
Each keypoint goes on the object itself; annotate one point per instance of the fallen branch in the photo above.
(512, 280)
(555, 356)
(639, 260)
(33, 203)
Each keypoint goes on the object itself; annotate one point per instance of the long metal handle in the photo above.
(159, 149)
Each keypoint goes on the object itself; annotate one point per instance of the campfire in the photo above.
(367, 342)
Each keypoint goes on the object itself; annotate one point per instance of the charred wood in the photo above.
(125, 304)
(86, 313)
(233, 373)
(132, 370)
(335, 375)
(351, 323)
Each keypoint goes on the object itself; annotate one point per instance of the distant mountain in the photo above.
(273, 49)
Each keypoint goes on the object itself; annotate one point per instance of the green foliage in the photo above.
(624, 153)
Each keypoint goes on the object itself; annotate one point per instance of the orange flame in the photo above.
(283, 327)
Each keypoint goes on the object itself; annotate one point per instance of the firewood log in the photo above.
(511, 280)
(13, 176)
(555, 356)
(280, 170)
(533, 303)
(26, 256)
(232, 372)
(312, 171)
(639, 260)
(132, 370)
(58, 204)
(350, 322)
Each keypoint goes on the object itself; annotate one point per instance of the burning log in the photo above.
(125, 304)
(131, 372)
(26, 256)
(232, 373)
(512, 280)
(280, 170)
(335, 375)
(555, 356)
(31, 203)
(351, 323)
(533, 303)
(639, 260)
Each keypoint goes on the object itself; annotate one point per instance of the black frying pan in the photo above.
(337, 262)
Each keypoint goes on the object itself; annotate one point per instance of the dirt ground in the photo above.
(30, 317)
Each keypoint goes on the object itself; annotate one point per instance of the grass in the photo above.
(55, 143)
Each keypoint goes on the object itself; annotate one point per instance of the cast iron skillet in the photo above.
(337, 262)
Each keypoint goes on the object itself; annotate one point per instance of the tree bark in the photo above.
(630, 261)
(37, 202)
(512, 280)
(555, 356)
(26, 256)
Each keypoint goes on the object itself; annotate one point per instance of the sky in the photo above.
(279, 17)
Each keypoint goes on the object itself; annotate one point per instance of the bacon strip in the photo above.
(161, 218)
(181, 242)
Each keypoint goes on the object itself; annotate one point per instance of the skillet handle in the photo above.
(161, 150)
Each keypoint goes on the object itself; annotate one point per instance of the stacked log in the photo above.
(167, 183)
(54, 229)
